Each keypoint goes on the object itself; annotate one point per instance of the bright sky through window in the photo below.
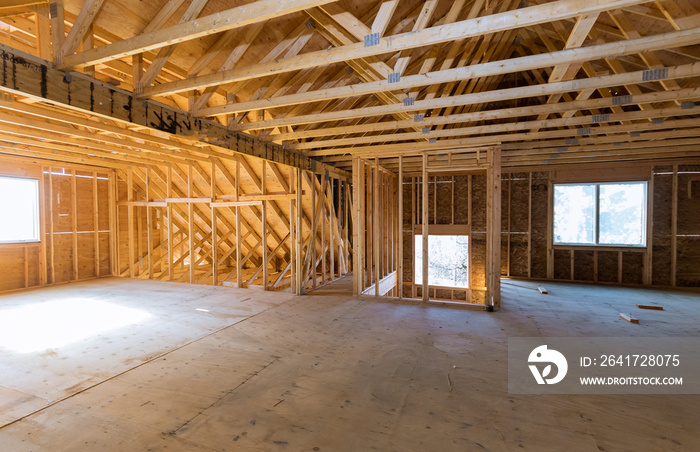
(19, 204)
(600, 214)
(448, 260)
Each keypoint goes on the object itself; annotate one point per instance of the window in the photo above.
(19, 204)
(448, 263)
(607, 214)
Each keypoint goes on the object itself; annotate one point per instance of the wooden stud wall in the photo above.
(76, 227)
(375, 229)
(461, 200)
(238, 223)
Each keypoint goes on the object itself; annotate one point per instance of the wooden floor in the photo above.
(257, 371)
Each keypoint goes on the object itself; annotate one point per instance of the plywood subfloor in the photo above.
(327, 372)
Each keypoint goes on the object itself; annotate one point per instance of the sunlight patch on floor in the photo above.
(53, 324)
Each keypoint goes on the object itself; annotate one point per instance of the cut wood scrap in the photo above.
(542, 290)
(650, 306)
(629, 318)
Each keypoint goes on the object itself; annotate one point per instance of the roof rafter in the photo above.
(229, 19)
(435, 35)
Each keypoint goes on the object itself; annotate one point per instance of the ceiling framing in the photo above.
(551, 82)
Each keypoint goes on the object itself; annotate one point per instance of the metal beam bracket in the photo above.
(372, 40)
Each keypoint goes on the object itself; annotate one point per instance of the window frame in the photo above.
(442, 230)
(597, 245)
(37, 236)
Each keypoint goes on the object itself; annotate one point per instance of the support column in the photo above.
(493, 229)
(424, 208)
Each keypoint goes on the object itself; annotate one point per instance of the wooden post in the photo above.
(331, 242)
(43, 31)
(376, 219)
(74, 214)
(358, 224)
(493, 228)
(314, 227)
(298, 261)
(96, 224)
(469, 241)
(214, 231)
(190, 225)
(399, 279)
(139, 236)
(52, 265)
(43, 270)
(550, 227)
(130, 221)
(169, 190)
(263, 218)
(650, 230)
(113, 247)
(58, 33)
(674, 227)
(88, 43)
(149, 225)
(510, 190)
(239, 254)
(529, 225)
(424, 207)
(324, 213)
(292, 234)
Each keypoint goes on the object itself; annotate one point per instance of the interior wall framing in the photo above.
(669, 259)
(76, 226)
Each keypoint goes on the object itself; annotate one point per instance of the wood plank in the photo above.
(629, 318)
(563, 57)
(385, 285)
(229, 19)
(472, 98)
(650, 307)
(80, 27)
(545, 109)
(524, 17)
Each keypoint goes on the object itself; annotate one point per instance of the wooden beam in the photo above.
(384, 15)
(37, 80)
(7, 4)
(58, 33)
(509, 20)
(600, 127)
(164, 53)
(689, 70)
(229, 19)
(82, 24)
(544, 109)
(560, 58)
